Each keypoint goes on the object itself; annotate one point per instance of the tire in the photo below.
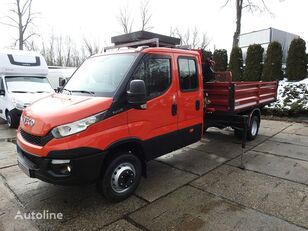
(253, 128)
(121, 177)
(12, 119)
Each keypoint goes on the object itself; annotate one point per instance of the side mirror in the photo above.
(59, 89)
(136, 94)
(2, 92)
(62, 82)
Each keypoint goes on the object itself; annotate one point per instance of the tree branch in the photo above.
(26, 6)
(226, 3)
(8, 24)
(29, 36)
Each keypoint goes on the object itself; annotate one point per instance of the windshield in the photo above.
(100, 76)
(28, 84)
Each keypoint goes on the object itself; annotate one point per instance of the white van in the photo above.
(57, 74)
(23, 80)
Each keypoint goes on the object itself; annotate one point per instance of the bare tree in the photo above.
(125, 19)
(249, 5)
(21, 17)
(146, 15)
(91, 47)
(191, 38)
(60, 50)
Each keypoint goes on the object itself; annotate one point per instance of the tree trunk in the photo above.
(239, 6)
(20, 26)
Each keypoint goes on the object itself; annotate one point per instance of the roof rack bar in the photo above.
(134, 44)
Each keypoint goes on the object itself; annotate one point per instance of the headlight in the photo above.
(77, 126)
(19, 105)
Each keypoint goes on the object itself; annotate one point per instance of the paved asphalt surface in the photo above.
(199, 187)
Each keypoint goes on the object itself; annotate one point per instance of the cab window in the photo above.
(156, 73)
(188, 74)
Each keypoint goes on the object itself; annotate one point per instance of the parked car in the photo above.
(23, 80)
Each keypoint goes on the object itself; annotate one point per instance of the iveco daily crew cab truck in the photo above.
(23, 80)
(118, 111)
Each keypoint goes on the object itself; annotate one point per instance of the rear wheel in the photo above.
(253, 129)
(121, 177)
(12, 119)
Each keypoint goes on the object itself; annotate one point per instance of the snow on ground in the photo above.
(292, 96)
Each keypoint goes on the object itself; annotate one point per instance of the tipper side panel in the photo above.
(239, 96)
(218, 96)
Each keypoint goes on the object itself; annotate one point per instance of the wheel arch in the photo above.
(255, 111)
(133, 145)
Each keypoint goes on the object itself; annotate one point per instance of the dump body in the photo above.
(239, 96)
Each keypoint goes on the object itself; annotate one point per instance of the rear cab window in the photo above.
(188, 74)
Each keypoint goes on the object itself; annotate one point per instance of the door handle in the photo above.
(197, 105)
(174, 109)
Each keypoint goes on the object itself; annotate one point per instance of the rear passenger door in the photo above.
(156, 124)
(190, 99)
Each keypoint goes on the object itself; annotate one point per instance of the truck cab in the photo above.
(118, 111)
(23, 80)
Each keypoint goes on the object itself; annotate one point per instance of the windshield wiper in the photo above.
(83, 91)
(42, 92)
(21, 92)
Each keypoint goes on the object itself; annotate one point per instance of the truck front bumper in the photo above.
(67, 167)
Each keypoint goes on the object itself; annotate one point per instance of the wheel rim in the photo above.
(123, 177)
(254, 128)
(9, 120)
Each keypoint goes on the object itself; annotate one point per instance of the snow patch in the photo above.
(291, 96)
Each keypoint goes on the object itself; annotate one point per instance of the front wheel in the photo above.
(121, 177)
(12, 119)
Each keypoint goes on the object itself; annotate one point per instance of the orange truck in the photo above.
(124, 108)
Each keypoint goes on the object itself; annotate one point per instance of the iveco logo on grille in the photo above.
(28, 121)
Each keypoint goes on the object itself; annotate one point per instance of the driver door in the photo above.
(156, 125)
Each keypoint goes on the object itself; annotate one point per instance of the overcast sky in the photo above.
(97, 19)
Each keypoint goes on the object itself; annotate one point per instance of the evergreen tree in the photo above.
(254, 58)
(207, 54)
(236, 64)
(272, 69)
(297, 60)
(221, 59)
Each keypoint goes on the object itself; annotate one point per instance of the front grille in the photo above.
(36, 140)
